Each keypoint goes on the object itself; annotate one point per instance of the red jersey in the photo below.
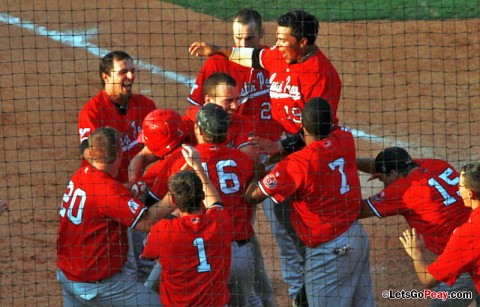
(461, 255)
(240, 129)
(92, 239)
(229, 170)
(195, 254)
(100, 111)
(429, 200)
(292, 85)
(253, 86)
(323, 181)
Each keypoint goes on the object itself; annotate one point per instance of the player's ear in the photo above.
(197, 130)
(303, 42)
(87, 154)
(472, 194)
(208, 99)
(105, 77)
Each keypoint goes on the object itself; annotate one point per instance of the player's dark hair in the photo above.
(104, 145)
(249, 16)
(302, 23)
(471, 175)
(214, 139)
(209, 86)
(187, 191)
(317, 117)
(106, 63)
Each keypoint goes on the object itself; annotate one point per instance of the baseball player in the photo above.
(322, 181)
(220, 88)
(116, 106)
(425, 192)
(298, 69)
(461, 254)
(163, 131)
(252, 84)
(230, 170)
(92, 237)
(195, 249)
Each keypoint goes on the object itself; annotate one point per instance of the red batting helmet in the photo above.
(162, 131)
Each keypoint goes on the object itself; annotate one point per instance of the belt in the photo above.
(242, 242)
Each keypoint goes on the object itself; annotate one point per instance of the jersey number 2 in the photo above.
(203, 266)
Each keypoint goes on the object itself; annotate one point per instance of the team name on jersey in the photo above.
(283, 89)
(128, 143)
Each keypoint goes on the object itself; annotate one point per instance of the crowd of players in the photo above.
(262, 127)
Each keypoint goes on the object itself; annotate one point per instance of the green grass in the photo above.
(343, 10)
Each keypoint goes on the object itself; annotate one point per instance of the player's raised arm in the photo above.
(193, 160)
(204, 49)
(366, 165)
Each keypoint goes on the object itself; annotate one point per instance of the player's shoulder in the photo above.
(141, 100)
(99, 101)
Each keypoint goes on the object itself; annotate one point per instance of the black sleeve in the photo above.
(294, 142)
(256, 58)
(150, 199)
(83, 146)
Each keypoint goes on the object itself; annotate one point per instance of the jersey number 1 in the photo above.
(203, 266)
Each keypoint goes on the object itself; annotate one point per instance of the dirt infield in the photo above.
(414, 84)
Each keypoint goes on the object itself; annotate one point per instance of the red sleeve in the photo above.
(389, 201)
(151, 248)
(282, 182)
(457, 258)
(119, 205)
(87, 122)
(272, 59)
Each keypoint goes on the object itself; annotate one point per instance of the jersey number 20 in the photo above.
(74, 198)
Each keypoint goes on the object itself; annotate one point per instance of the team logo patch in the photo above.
(379, 196)
(270, 181)
(133, 206)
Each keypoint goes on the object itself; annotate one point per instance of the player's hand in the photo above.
(412, 243)
(202, 49)
(192, 157)
(3, 206)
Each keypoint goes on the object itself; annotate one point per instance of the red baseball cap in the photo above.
(162, 130)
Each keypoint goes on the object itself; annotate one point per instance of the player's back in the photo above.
(93, 205)
(230, 170)
(435, 207)
(328, 199)
(195, 256)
